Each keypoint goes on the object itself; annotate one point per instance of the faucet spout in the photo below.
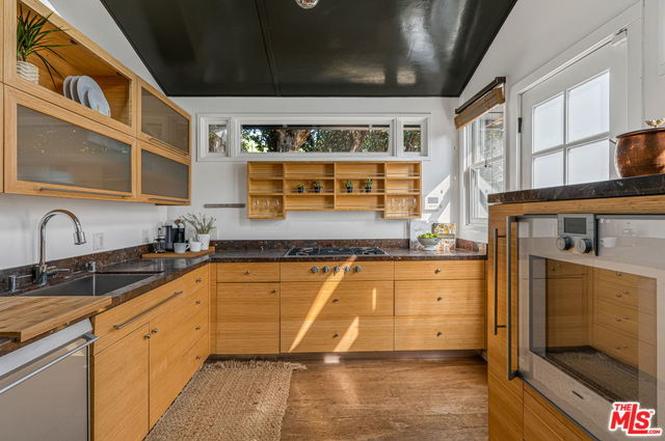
(42, 273)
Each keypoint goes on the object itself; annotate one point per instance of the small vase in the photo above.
(204, 239)
(27, 71)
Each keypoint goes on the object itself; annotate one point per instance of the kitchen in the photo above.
(444, 234)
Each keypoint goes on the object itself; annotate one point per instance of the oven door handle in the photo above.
(510, 372)
(495, 266)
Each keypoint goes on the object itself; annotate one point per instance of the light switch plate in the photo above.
(97, 241)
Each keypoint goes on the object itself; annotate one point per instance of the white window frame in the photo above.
(632, 20)
(395, 151)
(565, 147)
(474, 228)
(204, 122)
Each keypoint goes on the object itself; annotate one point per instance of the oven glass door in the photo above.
(590, 324)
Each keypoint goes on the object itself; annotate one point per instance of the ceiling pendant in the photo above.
(307, 4)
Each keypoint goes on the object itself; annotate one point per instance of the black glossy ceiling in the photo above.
(339, 48)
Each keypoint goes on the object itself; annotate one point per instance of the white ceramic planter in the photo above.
(204, 239)
(27, 71)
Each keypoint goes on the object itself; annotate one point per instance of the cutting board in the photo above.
(171, 255)
(23, 318)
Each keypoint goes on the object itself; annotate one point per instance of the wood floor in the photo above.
(399, 400)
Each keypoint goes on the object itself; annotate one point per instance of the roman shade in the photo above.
(490, 96)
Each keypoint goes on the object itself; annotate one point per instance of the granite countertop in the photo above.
(394, 254)
(637, 186)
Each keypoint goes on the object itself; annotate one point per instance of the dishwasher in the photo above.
(45, 387)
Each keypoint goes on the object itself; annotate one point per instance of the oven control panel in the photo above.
(577, 232)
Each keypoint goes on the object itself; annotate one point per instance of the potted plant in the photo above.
(368, 185)
(317, 186)
(300, 188)
(349, 186)
(203, 225)
(31, 39)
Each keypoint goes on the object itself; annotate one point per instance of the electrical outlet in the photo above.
(97, 241)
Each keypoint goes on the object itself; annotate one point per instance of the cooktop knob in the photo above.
(325, 268)
(583, 246)
(314, 269)
(564, 243)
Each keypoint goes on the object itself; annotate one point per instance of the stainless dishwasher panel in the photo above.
(44, 388)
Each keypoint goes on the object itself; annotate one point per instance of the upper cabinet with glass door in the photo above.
(161, 122)
(68, 69)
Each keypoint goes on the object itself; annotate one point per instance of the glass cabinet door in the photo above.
(163, 179)
(53, 151)
(162, 124)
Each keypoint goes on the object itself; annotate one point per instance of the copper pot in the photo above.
(640, 153)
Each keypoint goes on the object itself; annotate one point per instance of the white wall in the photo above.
(122, 224)
(224, 182)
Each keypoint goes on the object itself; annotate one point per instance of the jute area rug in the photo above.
(229, 401)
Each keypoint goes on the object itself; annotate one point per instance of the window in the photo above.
(483, 146)
(323, 138)
(225, 137)
(569, 117)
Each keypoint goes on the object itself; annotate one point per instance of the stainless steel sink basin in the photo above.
(91, 285)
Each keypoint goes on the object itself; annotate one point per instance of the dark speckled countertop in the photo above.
(638, 186)
(394, 254)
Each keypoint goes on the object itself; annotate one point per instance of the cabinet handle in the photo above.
(438, 299)
(439, 334)
(198, 357)
(437, 271)
(199, 280)
(138, 316)
(198, 328)
(90, 192)
(335, 300)
(511, 374)
(167, 200)
(274, 291)
(146, 337)
(154, 331)
(495, 264)
(167, 145)
(198, 302)
(335, 335)
(248, 273)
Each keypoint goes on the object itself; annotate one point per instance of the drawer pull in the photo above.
(138, 316)
(439, 334)
(90, 192)
(198, 328)
(438, 299)
(437, 271)
(146, 337)
(335, 301)
(335, 335)
(198, 357)
(154, 331)
(274, 291)
(248, 273)
(199, 280)
(621, 348)
(198, 302)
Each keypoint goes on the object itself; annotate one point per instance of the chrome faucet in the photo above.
(43, 271)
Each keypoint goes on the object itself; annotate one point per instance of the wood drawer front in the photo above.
(197, 279)
(329, 300)
(625, 289)
(438, 333)
(302, 271)
(634, 323)
(247, 272)
(440, 270)
(353, 334)
(543, 422)
(134, 314)
(247, 318)
(505, 408)
(433, 298)
(624, 347)
(557, 268)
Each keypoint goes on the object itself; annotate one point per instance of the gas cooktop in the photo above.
(335, 251)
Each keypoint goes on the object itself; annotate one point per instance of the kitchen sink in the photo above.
(91, 285)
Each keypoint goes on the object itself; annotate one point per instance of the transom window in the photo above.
(223, 137)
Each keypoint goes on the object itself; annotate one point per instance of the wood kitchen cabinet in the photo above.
(161, 122)
(50, 151)
(120, 388)
(148, 349)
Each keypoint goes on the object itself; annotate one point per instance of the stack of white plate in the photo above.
(86, 91)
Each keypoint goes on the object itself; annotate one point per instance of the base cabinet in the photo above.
(137, 374)
(120, 389)
(542, 422)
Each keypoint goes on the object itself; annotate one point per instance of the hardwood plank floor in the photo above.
(384, 400)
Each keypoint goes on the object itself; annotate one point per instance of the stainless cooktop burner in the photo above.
(335, 251)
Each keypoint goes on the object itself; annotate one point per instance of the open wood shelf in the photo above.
(395, 188)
